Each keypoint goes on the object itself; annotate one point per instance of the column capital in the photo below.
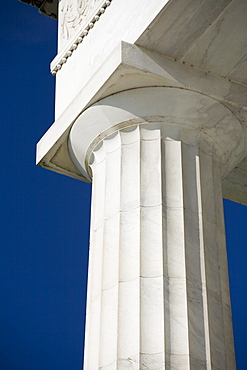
(197, 115)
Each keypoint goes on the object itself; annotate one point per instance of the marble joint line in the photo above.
(73, 46)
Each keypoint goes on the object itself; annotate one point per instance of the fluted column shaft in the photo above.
(158, 294)
(158, 286)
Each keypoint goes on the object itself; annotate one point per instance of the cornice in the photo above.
(71, 46)
(36, 3)
(46, 7)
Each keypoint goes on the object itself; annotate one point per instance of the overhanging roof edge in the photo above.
(46, 7)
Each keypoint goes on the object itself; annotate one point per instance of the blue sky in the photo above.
(45, 216)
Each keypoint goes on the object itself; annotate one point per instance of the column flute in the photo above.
(158, 295)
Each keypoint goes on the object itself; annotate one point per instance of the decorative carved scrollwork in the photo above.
(78, 18)
(72, 14)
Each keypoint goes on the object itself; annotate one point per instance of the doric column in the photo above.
(158, 295)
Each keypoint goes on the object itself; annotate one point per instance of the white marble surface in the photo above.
(175, 107)
(142, 68)
(123, 20)
(158, 284)
(210, 52)
(158, 291)
(158, 287)
(74, 16)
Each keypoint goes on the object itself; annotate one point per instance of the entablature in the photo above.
(46, 7)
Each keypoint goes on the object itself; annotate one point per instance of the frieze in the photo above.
(73, 13)
(75, 24)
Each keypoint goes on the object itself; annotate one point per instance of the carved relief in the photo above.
(76, 15)
(72, 14)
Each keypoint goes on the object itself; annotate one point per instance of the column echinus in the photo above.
(158, 293)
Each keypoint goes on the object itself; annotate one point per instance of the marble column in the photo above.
(158, 294)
